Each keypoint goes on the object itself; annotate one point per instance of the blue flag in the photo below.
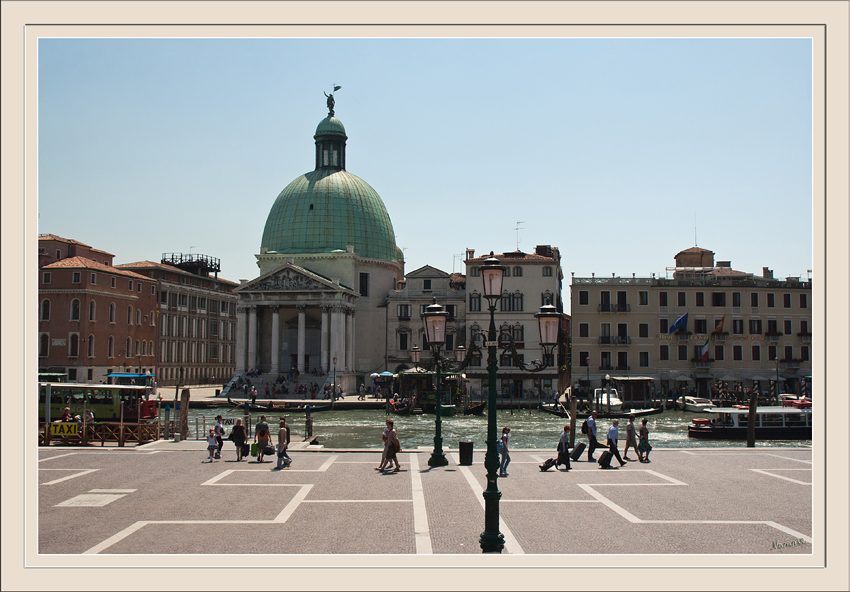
(681, 323)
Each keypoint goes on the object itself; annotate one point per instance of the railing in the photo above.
(805, 337)
(613, 308)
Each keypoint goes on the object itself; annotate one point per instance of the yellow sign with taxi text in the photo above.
(63, 428)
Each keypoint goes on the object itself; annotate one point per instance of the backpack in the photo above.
(584, 428)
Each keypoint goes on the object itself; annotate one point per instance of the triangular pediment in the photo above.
(427, 271)
(291, 278)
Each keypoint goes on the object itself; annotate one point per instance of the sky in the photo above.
(620, 152)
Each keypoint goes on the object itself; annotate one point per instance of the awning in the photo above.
(632, 378)
(727, 377)
(759, 377)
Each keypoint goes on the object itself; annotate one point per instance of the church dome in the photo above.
(329, 208)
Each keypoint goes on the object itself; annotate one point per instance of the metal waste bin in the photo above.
(465, 451)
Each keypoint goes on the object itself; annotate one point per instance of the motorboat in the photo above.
(698, 404)
(773, 422)
(609, 399)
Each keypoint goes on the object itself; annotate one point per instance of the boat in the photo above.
(561, 411)
(697, 404)
(773, 422)
(108, 402)
(614, 404)
(445, 410)
(475, 408)
(280, 408)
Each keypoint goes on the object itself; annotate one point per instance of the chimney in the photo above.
(470, 254)
(767, 273)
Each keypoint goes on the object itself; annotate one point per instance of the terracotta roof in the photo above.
(170, 268)
(84, 263)
(727, 271)
(53, 237)
(695, 250)
(512, 256)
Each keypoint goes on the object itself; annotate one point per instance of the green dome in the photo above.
(330, 126)
(325, 211)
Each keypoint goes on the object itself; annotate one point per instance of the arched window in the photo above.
(517, 271)
(111, 312)
(90, 346)
(144, 348)
(151, 319)
(474, 302)
(128, 348)
(44, 345)
(129, 315)
(546, 298)
(517, 302)
(74, 346)
(75, 309)
(150, 348)
(137, 350)
(138, 317)
(506, 302)
(519, 333)
(45, 310)
(92, 310)
(110, 347)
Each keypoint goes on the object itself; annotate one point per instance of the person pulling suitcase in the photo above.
(564, 449)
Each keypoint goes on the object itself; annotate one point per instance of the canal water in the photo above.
(529, 429)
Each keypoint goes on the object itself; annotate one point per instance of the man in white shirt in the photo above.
(593, 443)
(613, 436)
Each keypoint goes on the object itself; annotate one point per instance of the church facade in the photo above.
(327, 261)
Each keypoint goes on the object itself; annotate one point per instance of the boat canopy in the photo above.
(632, 378)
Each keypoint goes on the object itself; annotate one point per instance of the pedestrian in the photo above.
(211, 444)
(237, 434)
(218, 430)
(385, 436)
(283, 460)
(339, 391)
(564, 449)
(630, 438)
(362, 393)
(613, 436)
(504, 450)
(392, 448)
(644, 447)
(593, 443)
(66, 414)
(262, 437)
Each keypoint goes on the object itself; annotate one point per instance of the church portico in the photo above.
(294, 320)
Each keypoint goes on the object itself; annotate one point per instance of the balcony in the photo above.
(773, 336)
(719, 336)
(623, 367)
(792, 364)
(613, 308)
(606, 367)
(683, 335)
(805, 337)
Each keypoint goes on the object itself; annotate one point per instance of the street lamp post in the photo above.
(333, 387)
(434, 320)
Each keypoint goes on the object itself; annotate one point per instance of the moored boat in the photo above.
(772, 423)
(561, 411)
(475, 409)
(698, 404)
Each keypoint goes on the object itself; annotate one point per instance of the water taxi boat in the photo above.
(697, 404)
(772, 423)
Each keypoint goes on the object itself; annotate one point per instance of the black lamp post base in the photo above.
(492, 543)
(437, 461)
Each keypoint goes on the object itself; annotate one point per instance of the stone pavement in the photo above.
(162, 499)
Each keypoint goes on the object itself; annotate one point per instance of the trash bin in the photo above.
(465, 450)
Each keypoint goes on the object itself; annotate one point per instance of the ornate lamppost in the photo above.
(434, 319)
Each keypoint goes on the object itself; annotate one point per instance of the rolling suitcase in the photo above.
(579, 448)
(547, 464)
(246, 449)
(255, 449)
(605, 460)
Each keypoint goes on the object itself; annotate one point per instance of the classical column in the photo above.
(275, 340)
(252, 337)
(336, 337)
(349, 340)
(325, 312)
(302, 336)
(241, 350)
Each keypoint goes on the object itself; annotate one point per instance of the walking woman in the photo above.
(392, 447)
(237, 434)
(504, 450)
(644, 447)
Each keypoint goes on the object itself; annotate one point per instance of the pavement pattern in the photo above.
(162, 498)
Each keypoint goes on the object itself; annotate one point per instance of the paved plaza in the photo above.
(162, 499)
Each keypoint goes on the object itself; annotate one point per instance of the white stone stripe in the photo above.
(115, 538)
(80, 474)
(356, 501)
(55, 457)
(293, 504)
(511, 544)
(770, 474)
(611, 505)
(420, 514)
(111, 490)
(328, 463)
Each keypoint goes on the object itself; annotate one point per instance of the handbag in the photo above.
(500, 447)
(269, 450)
(397, 446)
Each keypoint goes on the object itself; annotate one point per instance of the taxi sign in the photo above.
(63, 428)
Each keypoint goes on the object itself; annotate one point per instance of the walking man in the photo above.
(613, 436)
(262, 437)
(631, 439)
(593, 443)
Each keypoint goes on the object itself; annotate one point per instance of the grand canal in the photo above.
(529, 429)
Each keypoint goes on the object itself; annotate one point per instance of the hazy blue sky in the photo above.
(609, 149)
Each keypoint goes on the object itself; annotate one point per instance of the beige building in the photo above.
(531, 280)
(406, 305)
(741, 329)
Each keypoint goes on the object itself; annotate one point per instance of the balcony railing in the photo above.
(608, 367)
(613, 308)
(805, 337)
(773, 336)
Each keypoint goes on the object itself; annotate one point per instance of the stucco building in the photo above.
(93, 318)
(742, 329)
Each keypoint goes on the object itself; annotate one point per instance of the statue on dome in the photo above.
(330, 104)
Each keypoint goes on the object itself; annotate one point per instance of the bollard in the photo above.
(308, 427)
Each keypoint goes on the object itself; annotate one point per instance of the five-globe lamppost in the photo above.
(434, 318)
(548, 319)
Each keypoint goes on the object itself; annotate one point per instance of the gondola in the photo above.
(475, 409)
(280, 408)
(561, 412)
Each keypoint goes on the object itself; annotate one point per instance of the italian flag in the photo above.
(703, 354)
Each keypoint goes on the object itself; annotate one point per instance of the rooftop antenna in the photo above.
(695, 230)
(191, 247)
(456, 257)
(518, 228)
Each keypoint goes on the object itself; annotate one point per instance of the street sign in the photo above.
(66, 428)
